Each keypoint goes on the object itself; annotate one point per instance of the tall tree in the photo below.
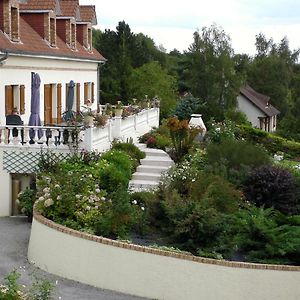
(210, 69)
(152, 80)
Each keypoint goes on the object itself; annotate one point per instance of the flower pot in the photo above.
(88, 120)
(118, 112)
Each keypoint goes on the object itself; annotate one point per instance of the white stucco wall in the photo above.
(17, 71)
(251, 111)
(151, 275)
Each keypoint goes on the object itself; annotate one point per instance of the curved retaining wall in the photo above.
(154, 273)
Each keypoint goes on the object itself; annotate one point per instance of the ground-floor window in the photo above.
(52, 104)
(89, 92)
(14, 98)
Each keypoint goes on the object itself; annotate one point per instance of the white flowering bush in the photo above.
(219, 131)
(88, 196)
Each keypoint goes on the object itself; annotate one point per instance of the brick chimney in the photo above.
(66, 30)
(10, 19)
(43, 22)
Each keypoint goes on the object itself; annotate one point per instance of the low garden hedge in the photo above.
(273, 143)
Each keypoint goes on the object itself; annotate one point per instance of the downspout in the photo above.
(99, 88)
(4, 58)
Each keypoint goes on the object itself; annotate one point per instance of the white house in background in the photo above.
(258, 109)
(54, 39)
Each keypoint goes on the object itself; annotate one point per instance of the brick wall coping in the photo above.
(98, 239)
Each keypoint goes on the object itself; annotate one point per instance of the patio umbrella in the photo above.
(35, 119)
(70, 101)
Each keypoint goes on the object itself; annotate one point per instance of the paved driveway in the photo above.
(14, 237)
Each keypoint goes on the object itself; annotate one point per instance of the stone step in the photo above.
(142, 184)
(146, 176)
(157, 161)
(141, 146)
(155, 152)
(152, 169)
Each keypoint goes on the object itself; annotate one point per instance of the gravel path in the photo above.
(14, 237)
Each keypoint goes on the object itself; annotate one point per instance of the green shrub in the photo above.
(186, 107)
(132, 151)
(270, 186)
(117, 220)
(264, 235)
(271, 142)
(120, 160)
(26, 201)
(219, 131)
(233, 159)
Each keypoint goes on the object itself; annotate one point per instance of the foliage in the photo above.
(26, 200)
(157, 138)
(211, 72)
(219, 131)
(182, 136)
(237, 117)
(186, 107)
(84, 191)
(134, 152)
(264, 235)
(41, 289)
(153, 81)
(233, 159)
(271, 142)
(270, 186)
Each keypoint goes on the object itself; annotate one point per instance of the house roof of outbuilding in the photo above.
(261, 101)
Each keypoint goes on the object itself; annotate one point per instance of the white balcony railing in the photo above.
(68, 137)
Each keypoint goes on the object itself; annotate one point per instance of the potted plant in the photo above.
(100, 120)
(108, 110)
(88, 116)
(119, 109)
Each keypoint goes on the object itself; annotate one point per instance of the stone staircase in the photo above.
(149, 172)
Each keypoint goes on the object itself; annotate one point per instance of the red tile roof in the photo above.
(88, 14)
(39, 5)
(259, 100)
(33, 43)
(68, 8)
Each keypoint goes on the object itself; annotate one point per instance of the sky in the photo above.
(172, 22)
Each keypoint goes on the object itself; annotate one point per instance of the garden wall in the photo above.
(154, 273)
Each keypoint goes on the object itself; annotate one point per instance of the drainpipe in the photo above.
(99, 88)
(4, 58)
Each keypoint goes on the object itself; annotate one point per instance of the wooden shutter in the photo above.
(93, 92)
(47, 104)
(86, 92)
(59, 112)
(9, 99)
(78, 97)
(22, 99)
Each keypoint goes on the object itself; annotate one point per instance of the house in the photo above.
(260, 113)
(51, 38)
(54, 39)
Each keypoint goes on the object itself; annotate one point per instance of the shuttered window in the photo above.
(14, 98)
(89, 92)
(47, 104)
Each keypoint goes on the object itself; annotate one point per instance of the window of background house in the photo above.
(14, 97)
(89, 92)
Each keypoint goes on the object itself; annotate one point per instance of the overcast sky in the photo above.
(172, 22)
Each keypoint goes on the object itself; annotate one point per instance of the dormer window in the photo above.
(14, 24)
(52, 32)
